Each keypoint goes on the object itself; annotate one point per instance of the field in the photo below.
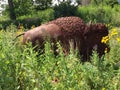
(21, 69)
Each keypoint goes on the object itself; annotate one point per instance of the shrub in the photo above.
(29, 20)
(103, 14)
(64, 9)
(45, 15)
(95, 14)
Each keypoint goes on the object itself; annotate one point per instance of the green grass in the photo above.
(103, 14)
(23, 70)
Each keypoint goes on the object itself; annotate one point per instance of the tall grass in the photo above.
(25, 70)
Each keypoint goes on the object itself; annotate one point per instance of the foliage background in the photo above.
(23, 69)
(100, 11)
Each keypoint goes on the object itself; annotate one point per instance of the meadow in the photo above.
(23, 69)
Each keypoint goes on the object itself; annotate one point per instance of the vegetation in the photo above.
(111, 3)
(65, 9)
(103, 14)
(42, 4)
(23, 69)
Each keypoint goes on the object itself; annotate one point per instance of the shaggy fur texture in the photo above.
(67, 30)
(72, 31)
(92, 36)
(70, 25)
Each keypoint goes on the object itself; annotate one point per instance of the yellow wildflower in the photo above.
(118, 39)
(21, 27)
(107, 25)
(106, 50)
(105, 39)
(114, 32)
(114, 29)
(20, 31)
(103, 88)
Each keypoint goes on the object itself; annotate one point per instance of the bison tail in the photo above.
(18, 36)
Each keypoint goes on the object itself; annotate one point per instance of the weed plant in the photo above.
(21, 68)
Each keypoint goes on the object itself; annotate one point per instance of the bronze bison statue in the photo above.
(84, 37)
(64, 29)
